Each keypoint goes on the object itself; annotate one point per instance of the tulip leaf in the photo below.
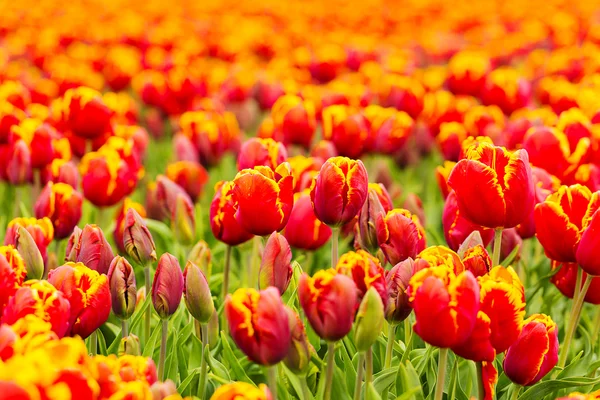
(349, 369)
(195, 357)
(234, 364)
(548, 387)
(139, 314)
(184, 386)
(294, 381)
(216, 367)
(102, 342)
(384, 379)
(150, 346)
(182, 362)
(407, 380)
(371, 392)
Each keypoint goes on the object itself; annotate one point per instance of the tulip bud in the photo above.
(298, 357)
(196, 293)
(18, 167)
(366, 232)
(201, 256)
(63, 171)
(166, 196)
(90, 247)
(276, 265)
(62, 204)
(474, 239)
(223, 222)
(190, 175)
(535, 352)
(163, 390)
(257, 151)
(121, 280)
(30, 252)
(130, 345)
(183, 221)
(397, 279)
(167, 287)
(400, 235)
(369, 320)
(477, 260)
(137, 239)
(41, 231)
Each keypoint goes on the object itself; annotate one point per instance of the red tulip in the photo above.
(123, 291)
(275, 267)
(303, 230)
(62, 204)
(90, 248)
(167, 287)
(400, 235)
(366, 272)
(397, 280)
(265, 152)
(41, 230)
(190, 175)
(223, 223)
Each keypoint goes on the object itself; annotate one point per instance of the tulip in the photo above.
(534, 353)
(295, 118)
(137, 239)
(339, 191)
(62, 204)
(87, 114)
(13, 273)
(467, 72)
(400, 235)
(123, 290)
(167, 287)
(265, 198)
(41, 232)
(565, 280)
(329, 301)
(183, 220)
(242, 391)
(397, 280)
(366, 232)
(27, 247)
(436, 256)
(346, 128)
(130, 345)
(62, 171)
(18, 166)
(477, 260)
(259, 325)
(324, 149)
(506, 89)
(441, 174)
(90, 248)
(120, 221)
(445, 304)
(201, 256)
(276, 264)
(303, 230)
(590, 240)
(88, 294)
(494, 187)
(300, 352)
(190, 175)
(366, 272)
(196, 293)
(457, 228)
(265, 152)
(223, 223)
(43, 300)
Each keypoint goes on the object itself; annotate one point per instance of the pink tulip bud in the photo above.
(137, 239)
(276, 267)
(121, 280)
(167, 287)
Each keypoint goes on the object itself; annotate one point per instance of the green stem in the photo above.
(335, 239)
(596, 331)
(203, 364)
(390, 345)
(148, 313)
(359, 375)
(94, 343)
(124, 328)
(306, 394)
(574, 319)
(254, 262)
(226, 273)
(516, 391)
(369, 366)
(272, 379)
(497, 247)
(163, 349)
(329, 371)
(441, 375)
(480, 387)
(407, 335)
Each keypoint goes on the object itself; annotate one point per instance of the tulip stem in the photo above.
(203, 364)
(329, 371)
(226, 272)
(441, 375)
(497, 247)
(272, 380)
(306, 394)
(480, 388)
(148, 314)
(407, 336)
(163, 349)
(596, 329)
(390, 345)
(94, 343)
(369, 366)
(255, 262)
(578, 301)
(124, 328)
(335, 238)
(359, 375)
(516, 392)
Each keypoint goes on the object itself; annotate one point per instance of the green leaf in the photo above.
(238, 372)
(548, 387)
(293, 379)
(195, 357)
(384, 379)
(184, 386)
(139, 315)
(216, 367)
(371, 393)
(151, 345)
(407, 380)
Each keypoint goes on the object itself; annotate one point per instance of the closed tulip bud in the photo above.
(167, 287)
(369, 320)
(266, 152)
(276, 264)
(130, 345)
(457, 228)
(91, 248)
(18, 167)
(196, 293)
(119, 230)
(62, 204)
(242, 391)
(339, 190)
(477, 260)
(304, 230)
(329, 301)
(299, 355)
(397, 280)
(137, 239)
(123, 291)
(190, 175)
(183, 222)
(225, 227)
(30, 252)
(166, 196)
(259, 325)
(201, 256)
(534, 353)
(88, 293)
(40, 230)
(494, 187)
(265, 198)
(366, 232)
(445, 304)
(400, 235)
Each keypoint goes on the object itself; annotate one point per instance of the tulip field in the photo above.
(299, 200)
